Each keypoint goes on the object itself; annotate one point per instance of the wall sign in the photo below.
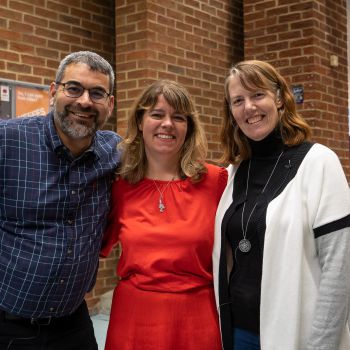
(4, 93)
(19, 99)
(298, 92)
(31, 101)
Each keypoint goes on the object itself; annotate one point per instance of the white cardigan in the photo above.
(305, 281)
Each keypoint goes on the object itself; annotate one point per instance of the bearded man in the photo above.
(55, 180)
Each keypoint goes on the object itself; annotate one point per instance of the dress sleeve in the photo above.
(332, 235)
(110, 236)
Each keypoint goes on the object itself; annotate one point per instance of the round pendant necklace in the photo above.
(161, 204)
(244, 244)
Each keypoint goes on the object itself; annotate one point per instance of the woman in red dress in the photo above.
(163, 210)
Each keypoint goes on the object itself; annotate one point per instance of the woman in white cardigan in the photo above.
(282, 234)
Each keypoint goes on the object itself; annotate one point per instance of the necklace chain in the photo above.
(244, 244)
(161, 204)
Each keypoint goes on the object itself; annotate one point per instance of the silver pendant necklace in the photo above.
(161, 204)
(244, 244)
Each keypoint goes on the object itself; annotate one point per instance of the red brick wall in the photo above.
(36, 35)
(299, 37)
(193, 42)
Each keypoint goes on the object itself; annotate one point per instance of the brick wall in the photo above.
(299, 37)
(193, 42)
(36, 35)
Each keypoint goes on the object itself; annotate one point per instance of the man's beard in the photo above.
(73, 128)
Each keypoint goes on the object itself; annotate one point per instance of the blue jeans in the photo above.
(245, 340)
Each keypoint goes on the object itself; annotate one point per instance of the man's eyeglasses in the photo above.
(75, 90)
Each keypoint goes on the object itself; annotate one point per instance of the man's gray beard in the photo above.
(72, 128)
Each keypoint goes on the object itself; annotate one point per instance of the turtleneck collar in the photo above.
(271, 145)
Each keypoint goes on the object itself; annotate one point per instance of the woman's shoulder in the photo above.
(216, 170)
(216, 178)
(320, 154)
(318, 149)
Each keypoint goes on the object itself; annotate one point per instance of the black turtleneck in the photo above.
(245, 279)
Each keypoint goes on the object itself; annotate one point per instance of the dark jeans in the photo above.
(72, 332)
(244, 340)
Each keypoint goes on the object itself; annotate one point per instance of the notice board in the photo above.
(19, 99)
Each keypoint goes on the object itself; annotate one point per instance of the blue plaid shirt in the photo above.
(53, 211)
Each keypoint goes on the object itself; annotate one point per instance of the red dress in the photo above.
(165, 297)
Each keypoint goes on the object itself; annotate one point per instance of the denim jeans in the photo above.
(245, 340)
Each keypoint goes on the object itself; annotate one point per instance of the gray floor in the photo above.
(100, 322)
(100, 318)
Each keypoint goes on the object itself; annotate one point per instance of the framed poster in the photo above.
(31, 101)
(18, 99)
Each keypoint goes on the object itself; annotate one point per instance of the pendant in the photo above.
(244, 245)
(161, 205)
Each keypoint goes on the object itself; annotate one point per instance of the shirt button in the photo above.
(52, 309)
(61, 281)
(70, 221)
(73, 192)
(69, 251)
